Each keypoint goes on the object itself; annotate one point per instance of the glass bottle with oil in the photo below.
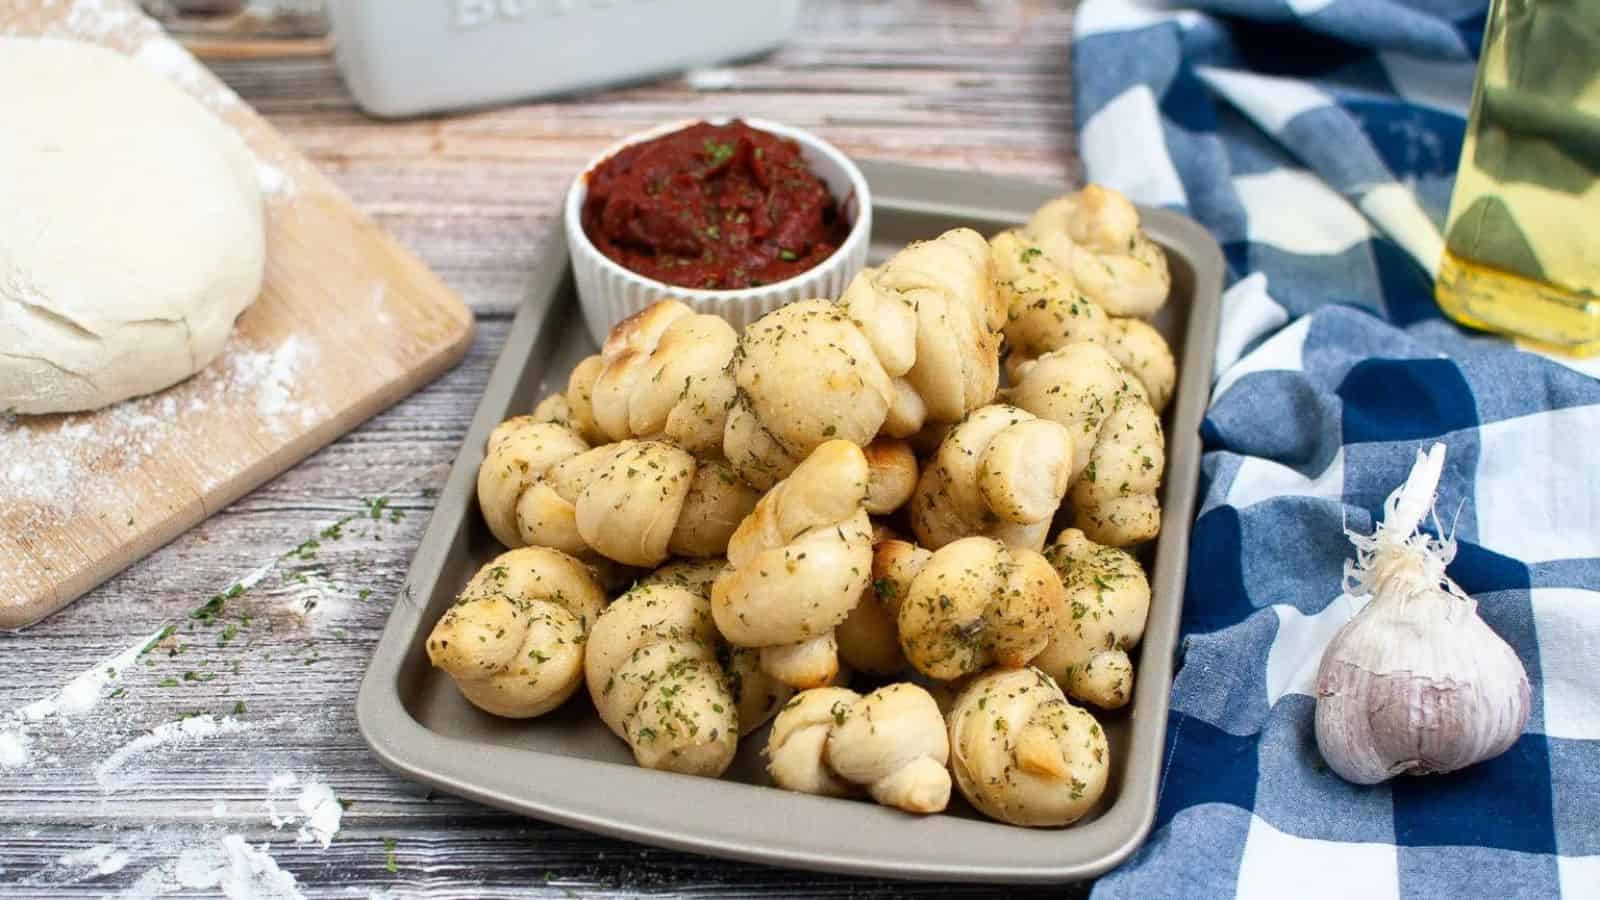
(1522, 244)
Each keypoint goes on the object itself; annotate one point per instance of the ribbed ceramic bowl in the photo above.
(609, 293)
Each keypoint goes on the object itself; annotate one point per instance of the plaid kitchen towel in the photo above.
(1317, 140)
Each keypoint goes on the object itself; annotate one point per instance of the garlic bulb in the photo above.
(1415, 683)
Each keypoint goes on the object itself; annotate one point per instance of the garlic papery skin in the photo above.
(1415, 682)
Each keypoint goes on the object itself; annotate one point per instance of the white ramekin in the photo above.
(609, 293)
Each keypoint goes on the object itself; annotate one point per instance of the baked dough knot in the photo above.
(1001, 472)
(1119, 449)
(1108, 600)
(757, 695)
(1022, 753)
(513, 642)
(797, 566)
(975, 603)
(1045, 311)
(891, 742)
(933, 317)
(654, 678)
(633, 502)
(661, 375)
(1094, 235)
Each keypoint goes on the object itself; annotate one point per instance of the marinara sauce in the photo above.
(712, 206)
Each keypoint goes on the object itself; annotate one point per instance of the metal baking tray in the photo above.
(567, 767)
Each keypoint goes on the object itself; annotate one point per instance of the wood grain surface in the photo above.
(960, 84)
(347, 322)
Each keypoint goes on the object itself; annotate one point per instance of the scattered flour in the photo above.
(83, 692)
(14, 750)
(80, 695)
(150, 883)
(273, 374)
(322, 812)
(169, 59)
(116, 24)
(228, 866)
(198, 867)
(103, 859)
(238, 870)
(319, 814)
(252, 874)
(96, 18)
(48, 467)
(45, 466)
(379, 297)
(185, 732)
(254, 576)
(210, 859)
(275, 183)
(278, 787)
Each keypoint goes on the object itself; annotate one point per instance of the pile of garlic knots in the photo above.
(847, 491)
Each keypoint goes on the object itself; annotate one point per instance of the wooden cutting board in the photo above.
(347, 323)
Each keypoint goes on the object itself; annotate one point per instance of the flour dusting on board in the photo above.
(39, 467)
(273, 375)
(122, 26)
(167, 58)
(379, 299)
(275, 183)
(96, 18)
(48, 465)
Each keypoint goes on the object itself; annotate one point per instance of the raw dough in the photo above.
(131, 232)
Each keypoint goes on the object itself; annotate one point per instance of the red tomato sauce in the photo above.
(712, 206)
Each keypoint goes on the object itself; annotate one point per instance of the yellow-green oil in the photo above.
(1522, 247)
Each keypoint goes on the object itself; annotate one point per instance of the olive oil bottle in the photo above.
(1522, 244)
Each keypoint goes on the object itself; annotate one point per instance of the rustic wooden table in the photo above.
(97, 797)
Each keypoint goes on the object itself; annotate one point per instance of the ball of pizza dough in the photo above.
(132, 232)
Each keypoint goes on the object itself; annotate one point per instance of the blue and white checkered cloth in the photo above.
(1317, 140)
